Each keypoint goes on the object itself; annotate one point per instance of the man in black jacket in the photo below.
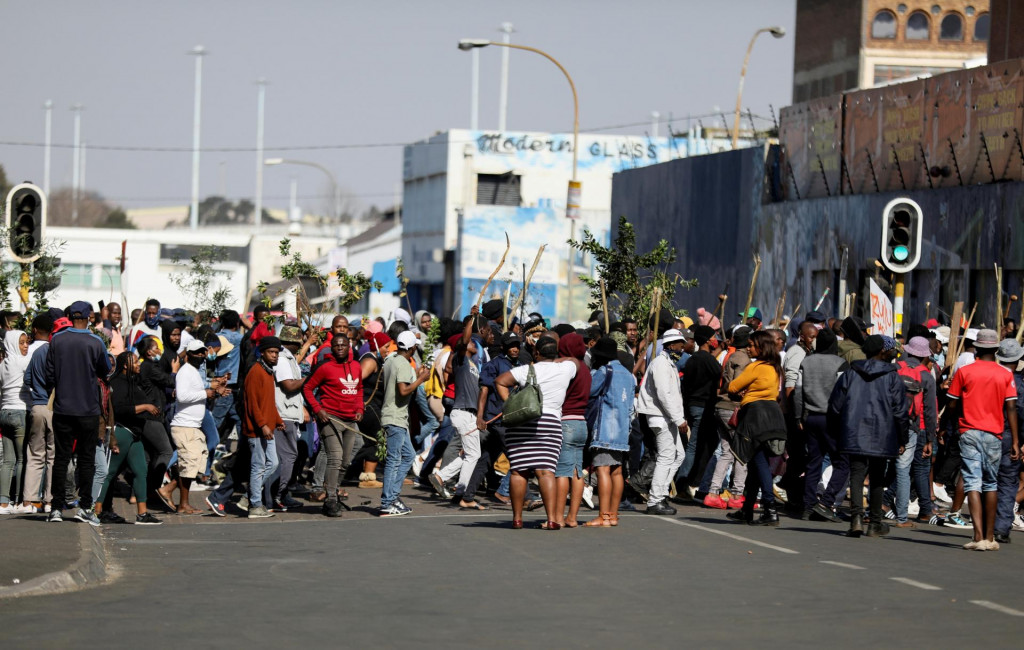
(869, 408)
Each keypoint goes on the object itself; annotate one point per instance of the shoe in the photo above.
(973, 546)
(780, 494)
(890, 514)
(401, 506)
(243, 503)
(856, 526)
(661, 508)
(318, 496)
(147, 519)
(715, 501)
(806, 515)
(940, 493)
(956, 520)
(634, 482)
(55, 516)
(217, 508)
(913, 508)
(110, 517)
(878, 529)
(259, 512)
(987, 545)
(278, 506)
(828, 514)
(1018, 522)
(7, 509)
(934, 520)
(200, 487)
(1003, 539)
(735, 503)
(769, 516)
(371, 484)
(588, 496)
(392, 511)
(417, 464)
(87, 517)
(22, 509)
(331, 508)
(438, 484)
(288, 502)
(741, 515)
(726, 496)
(904, 524)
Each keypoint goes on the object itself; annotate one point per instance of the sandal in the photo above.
(517, 524)
(573, 525)
(342, 495)
(549, 525)
(166, 500)
(533, 504)
(473, 505)
(189, 510)
(613, 519)
(604, 521)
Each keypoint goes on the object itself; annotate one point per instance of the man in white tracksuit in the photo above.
(660, 403)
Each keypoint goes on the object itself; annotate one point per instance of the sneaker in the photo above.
(331, 508)
(661, 508)
(913, 508)
(735, 503)
(392, 511)
(780, 494)
(278, 506)
(288, 502)
(1018, 522)
(87, 517)
(7, 509)
(243, 503)
(417, 464)
(111, 517)
(825, 512)
(1003, 539)
(956, 520)
(438, 484)
(22, 509)
(147, 519)
(259, 512)
(217, 508)
(940, 494)
(401, 506)
(715, 501)
(588, 496)
(55, 516)
(200, 487)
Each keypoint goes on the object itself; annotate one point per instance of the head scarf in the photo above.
(14, 361)
(572, 345)
(400, 315)
(620, 341)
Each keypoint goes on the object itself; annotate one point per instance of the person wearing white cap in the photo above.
(1010, 468)
(186, 426)
(660, 407)
(966, 357)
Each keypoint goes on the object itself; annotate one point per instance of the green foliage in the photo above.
(432, 338)
(5, 185)
(296, 268)
(353, 288)
(117, 218)
(198, 282)
(630, 277)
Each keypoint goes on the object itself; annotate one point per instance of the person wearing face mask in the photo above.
(149, 325)
(260, 423)
(12, 420)
(191, 394)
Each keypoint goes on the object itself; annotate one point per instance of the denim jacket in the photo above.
(611, 404)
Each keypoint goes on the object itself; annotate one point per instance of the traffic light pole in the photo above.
(897, 305)
(26, 282)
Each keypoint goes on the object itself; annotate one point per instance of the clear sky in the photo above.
(346, 73)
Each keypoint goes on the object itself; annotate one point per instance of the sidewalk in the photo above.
(44, 558)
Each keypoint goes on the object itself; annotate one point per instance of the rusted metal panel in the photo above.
(811, 135)
(995, 123)
(948, 142)
(884, 134)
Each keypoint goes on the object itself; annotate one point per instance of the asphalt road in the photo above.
(443, 578)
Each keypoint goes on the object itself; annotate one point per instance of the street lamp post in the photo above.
(572, 206)
(270, 162)
(777, 32)
(47, 143)
(199, 52)
(260, 101)
(76, 162)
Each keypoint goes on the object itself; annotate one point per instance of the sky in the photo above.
(357, 79)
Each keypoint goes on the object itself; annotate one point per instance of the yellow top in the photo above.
(759, 380)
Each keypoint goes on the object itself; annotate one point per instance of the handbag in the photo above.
(525, 404)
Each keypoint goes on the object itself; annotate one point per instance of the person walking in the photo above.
(400, 382)
(260, 423)
(869, 410)
(288, 397)
(734, 361)
(186, 426)
(1010, 468)
(984, 397)
(569, 471)
(39, 448)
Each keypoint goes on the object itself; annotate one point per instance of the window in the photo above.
(918, 26)
(902, 8)
(498, 189)
(884, 25)
(981, 27)
(952, 28)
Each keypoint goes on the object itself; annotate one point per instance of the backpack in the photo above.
(914, 386)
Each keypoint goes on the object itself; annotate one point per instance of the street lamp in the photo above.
(777, 32)
(270, 162)
(199, 52)
(572, 204)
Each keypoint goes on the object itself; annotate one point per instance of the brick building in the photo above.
(850, 44)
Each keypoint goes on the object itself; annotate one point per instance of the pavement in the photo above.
(451, 578)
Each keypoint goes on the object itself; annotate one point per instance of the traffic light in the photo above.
(901, 235)
(26, 222)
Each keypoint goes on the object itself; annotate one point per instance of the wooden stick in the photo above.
(963, 340)
(753, 284)
(604, 306)
(1009, 303)
(1020, 323)
(526, 282)
(504, 305)
(721, 319)
(796, 310)
(927, 311)
(780, 307)
(721, 302)
(999, 299)
(954, 333)
(508, 247)
(657, 315)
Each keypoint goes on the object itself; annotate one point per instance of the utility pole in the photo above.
(199, 52)
(474, 101)
(48, 140)
(76, 162)
(261, 84)
(81, 174)
(506, 30)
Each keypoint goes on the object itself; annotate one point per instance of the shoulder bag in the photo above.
(525, 404)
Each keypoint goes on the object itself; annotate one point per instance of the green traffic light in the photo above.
(900, 253)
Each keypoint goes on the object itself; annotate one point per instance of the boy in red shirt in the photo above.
(337, 409)
(984, 392)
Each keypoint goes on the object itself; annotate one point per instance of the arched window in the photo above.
(981, 27)
(952, 28)
(918, 26)
(884, 25)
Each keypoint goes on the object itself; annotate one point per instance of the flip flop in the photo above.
(474, 506)
(533, 504)
(167, 501)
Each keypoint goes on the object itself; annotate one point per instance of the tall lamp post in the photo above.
(777, 32)
(199, 52)
(572, 204)
(336, 193)
(260, 102)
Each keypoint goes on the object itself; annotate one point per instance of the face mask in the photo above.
(152, 321)
(195, 362)
(212, 356)
(675, 355)
(155, 357)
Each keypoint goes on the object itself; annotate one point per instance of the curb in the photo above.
(89, 571)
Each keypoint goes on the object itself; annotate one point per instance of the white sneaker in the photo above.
(588, 496)
(1018, 522)
(940, 493)
(417, 464)
(6, 509)
(22, 509)
(913, 508)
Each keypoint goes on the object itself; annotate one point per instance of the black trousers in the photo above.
(875, 469)
(157, 442)
(74, 436)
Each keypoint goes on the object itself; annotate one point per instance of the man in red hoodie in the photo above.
(337, 408)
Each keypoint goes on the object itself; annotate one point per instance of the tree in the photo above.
(5, 185)
(630, 278)
(351, 286)
(92, 208)
(117, 219)
(218, 210)
(198, 280)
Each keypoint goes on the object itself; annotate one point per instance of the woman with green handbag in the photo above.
(533, 421)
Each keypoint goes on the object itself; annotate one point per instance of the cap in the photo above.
(492, 309)
(452, 341)
(672, 336)
(1009, 351)
(270, 343)
(873, 345)
(702, 334)
(987, 339)
(931, 323)
(61, 323)
(195, 345)
(80, 309)
(290, 334)
(407, 340)
(918, 347)
(815, 316)
(378, 341)
(605, 348)
(942, 333)
(510, 340)
(753, 312)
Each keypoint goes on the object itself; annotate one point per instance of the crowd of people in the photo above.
(795, 417)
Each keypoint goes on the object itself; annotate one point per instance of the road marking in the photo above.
(919, 585)
(780, 549)
(843, 565)
(997, 607)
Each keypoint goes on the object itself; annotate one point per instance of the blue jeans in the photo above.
(504, 484)
(980, 453)
(1009, 471)
(397, 464)
(760, 476)
(224, 411)
(102, 463)
(261, 467)
(209, 429)
(430, 423)
(901, 496)
(694, 414)
(920, 477)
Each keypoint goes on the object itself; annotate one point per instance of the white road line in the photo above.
(919, 585)
(843, 565)
(780, 549)
(997, 607)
